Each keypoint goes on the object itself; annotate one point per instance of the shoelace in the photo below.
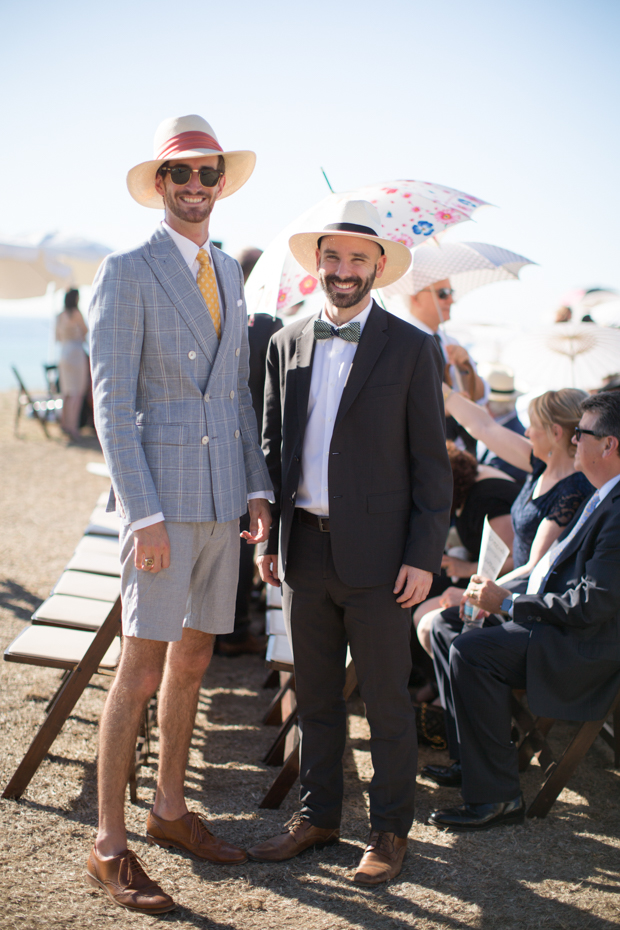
(382, 844)
(296, 820)
(136, 869)
(199, 828)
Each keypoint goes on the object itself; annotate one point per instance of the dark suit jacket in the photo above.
(573, 659)
(390, 482)
(261, 327)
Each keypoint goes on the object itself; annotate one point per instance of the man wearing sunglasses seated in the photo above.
(169, 352)
(560, 640)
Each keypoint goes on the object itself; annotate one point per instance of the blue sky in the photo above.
(516, 103)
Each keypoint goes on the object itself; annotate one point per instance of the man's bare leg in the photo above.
(186, 662)
(136, 681)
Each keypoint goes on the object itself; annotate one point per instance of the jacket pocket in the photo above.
(389, 503)
(164, 434)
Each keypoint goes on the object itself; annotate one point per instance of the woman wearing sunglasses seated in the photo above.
(553, 489)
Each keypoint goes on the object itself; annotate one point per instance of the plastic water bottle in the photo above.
(473, 619)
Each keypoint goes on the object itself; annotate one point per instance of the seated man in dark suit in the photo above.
(560, 640)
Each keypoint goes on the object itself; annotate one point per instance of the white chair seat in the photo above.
(82, 613)
(88, 584)
(55, 647)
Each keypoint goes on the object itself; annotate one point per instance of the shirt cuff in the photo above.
(146, 521)
(268, 495)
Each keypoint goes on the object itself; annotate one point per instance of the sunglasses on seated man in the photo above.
(180, 174)
(579, 432)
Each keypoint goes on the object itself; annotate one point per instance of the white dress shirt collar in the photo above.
(187, 248)
(607, 487)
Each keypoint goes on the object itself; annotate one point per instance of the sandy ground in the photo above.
(561, 872)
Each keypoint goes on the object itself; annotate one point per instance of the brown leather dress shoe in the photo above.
(126, 883)
(191, 834)
(299, 835)
(382, 859)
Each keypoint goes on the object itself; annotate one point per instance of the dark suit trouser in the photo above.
(476, 672)
(323, 614)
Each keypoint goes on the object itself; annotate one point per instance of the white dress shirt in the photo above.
(330, 369)
(189, 250)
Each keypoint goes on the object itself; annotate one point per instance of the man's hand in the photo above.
(152, 542)
(485, 594)
(451, 597)
(414, 584)
(260, 520)
(458, 356)
(268, 568)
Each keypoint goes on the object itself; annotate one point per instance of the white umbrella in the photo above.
(27, 267)
(575, 355)
(411, 212)
(81, 256)
(26, 272)
(468, 265)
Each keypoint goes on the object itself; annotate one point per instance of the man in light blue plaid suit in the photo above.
(173, 412)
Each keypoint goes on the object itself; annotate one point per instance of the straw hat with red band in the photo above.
(186, 137)
(361, 219)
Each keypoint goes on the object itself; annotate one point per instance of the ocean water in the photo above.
(28, 344)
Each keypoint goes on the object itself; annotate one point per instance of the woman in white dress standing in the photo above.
(71, 331)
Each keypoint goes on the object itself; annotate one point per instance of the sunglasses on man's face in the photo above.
(180, 174)
(442, 292)
(579, 432)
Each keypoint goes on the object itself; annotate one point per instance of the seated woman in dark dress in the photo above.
(553, 490)
(479, 491)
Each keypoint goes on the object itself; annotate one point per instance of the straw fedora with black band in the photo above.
(186, 137)
(501, 380)
(357, 218)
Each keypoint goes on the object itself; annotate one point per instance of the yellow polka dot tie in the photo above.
(208, 288)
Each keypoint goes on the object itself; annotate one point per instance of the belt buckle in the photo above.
(323, 529)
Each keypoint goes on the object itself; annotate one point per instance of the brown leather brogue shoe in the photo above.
(382, 859)
(126, 883)
(299, 835)
(192, 834)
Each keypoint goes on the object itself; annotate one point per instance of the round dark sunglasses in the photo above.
(180, 174)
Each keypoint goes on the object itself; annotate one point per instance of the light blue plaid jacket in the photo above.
(173, 410)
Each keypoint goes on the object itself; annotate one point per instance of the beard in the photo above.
(190, 213)
(352, 297)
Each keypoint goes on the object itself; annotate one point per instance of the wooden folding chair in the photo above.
(533, 744)
(82, 654)
(40, 404)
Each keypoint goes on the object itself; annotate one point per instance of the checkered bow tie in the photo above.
(350, 332)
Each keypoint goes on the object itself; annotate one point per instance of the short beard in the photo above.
(355, 296)
(188, 217)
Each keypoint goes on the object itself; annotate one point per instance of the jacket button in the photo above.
(237, 352)
(237, 434)
(207, 398)
(231, 395)
(297, 459)
(204, 440)
(191, 355)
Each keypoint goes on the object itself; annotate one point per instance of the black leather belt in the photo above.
(319, 523)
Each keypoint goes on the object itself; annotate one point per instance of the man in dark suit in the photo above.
(560, 640)
(354, 437)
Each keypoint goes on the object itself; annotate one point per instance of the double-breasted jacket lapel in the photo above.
(170, 269)
(372, 343)
(229, 310)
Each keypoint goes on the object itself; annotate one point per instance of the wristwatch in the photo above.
(506, 607)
